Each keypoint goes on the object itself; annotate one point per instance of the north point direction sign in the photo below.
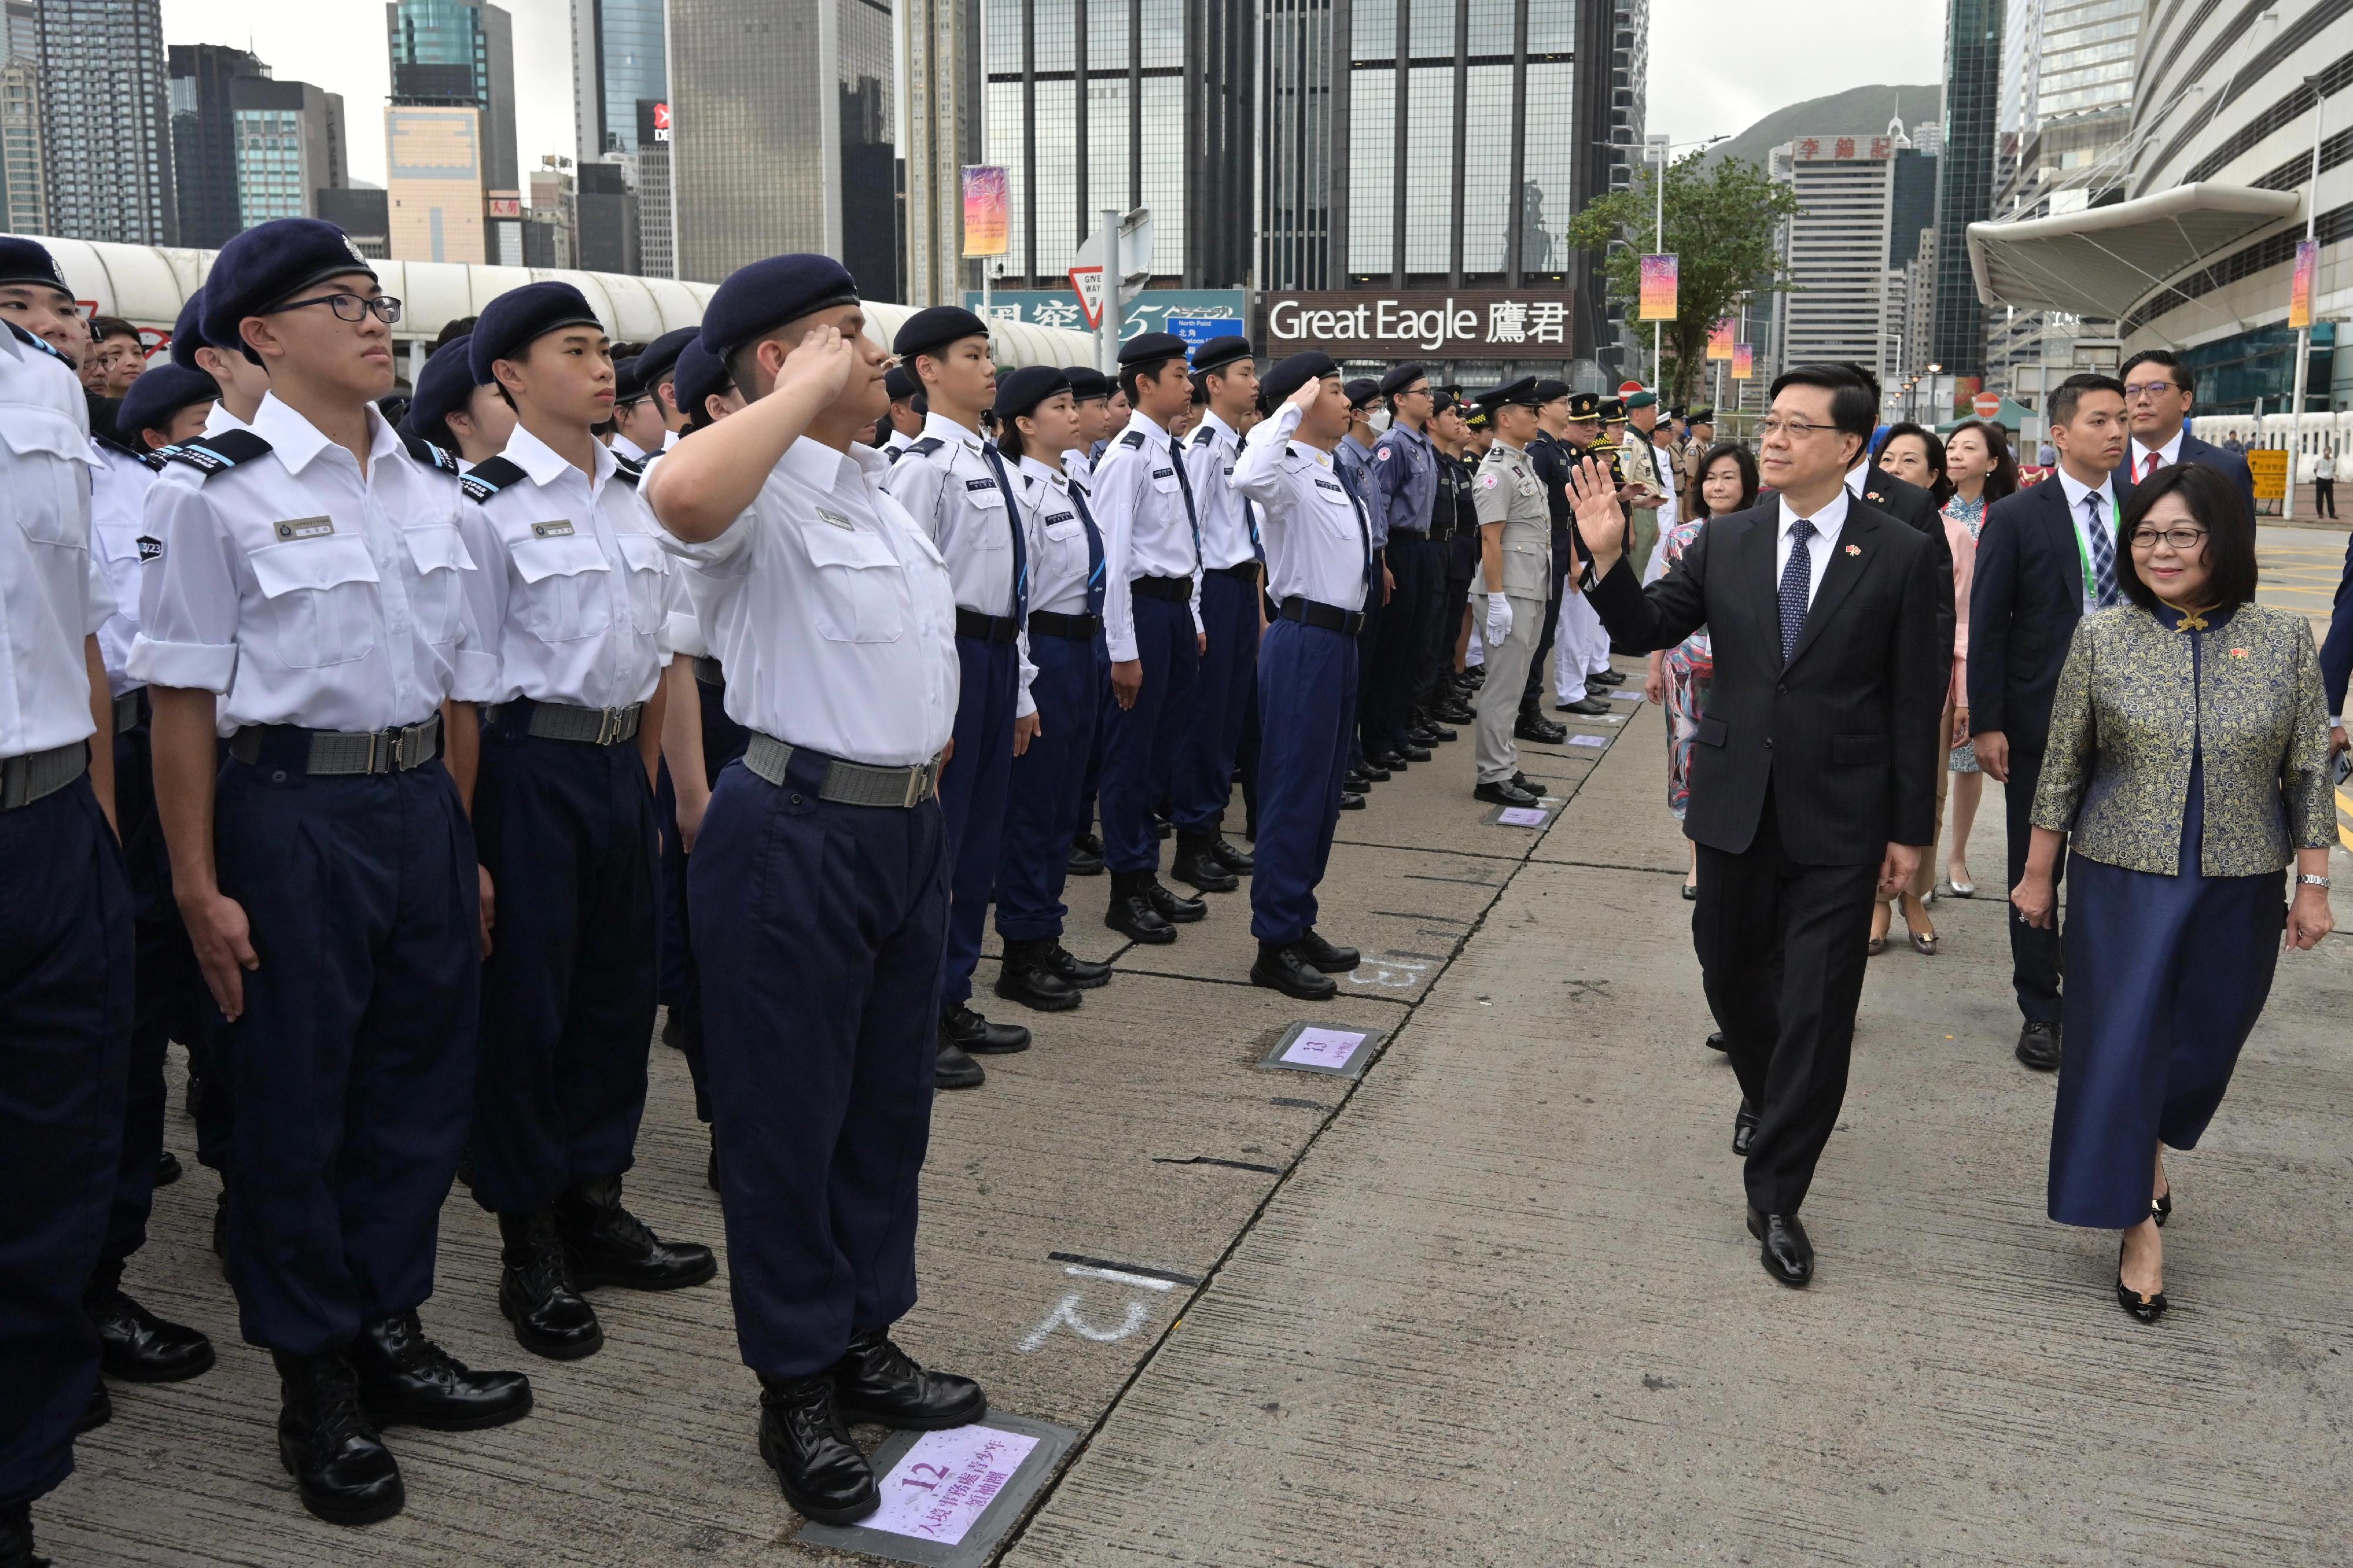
(1498, 324)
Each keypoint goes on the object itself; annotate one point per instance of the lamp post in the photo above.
(1659, 150)
(2304, 333)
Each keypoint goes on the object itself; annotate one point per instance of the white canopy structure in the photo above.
(2103, 261)
(146, 285)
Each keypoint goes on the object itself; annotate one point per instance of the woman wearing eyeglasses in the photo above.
(2188, 762)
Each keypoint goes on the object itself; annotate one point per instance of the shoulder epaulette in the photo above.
(1134, 438)
(41, 344)
(924, 447)
(124, 449)
(893, 454)
(1204, 436)
(426, 453)
(630, 469)
(488, 479)
(211, 454)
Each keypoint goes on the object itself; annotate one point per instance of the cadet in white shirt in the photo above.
(66, 940)
(454, 412)
(1319, 557)
(1226, 376)
(241, 383)
(1143, 502)
(1091, 393)
(955, 486)
(820, 878)
(573, 593)
(658, 371)
(313, 579)
(638, 428)
(904, 418)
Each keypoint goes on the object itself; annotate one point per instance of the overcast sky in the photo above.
(1716, 66)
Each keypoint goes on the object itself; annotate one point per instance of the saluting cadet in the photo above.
(1144, 501)
(658, 368)
(638, 430)
(955, 486)
(1064, 673)
(165, 406)
(1319, 556)
(1581, 651)
(312, 578)
(1226, 377)
(573, 591)
(453, 412)
(66, 941)
(904, 418)
(241, 382)
(708, 390)
(1404, 481)
(819, 882)
(1516, 567)
(1091, 391)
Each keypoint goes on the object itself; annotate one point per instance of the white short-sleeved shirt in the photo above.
(121, 545)
(1210, 453)
(831, 612)
(303, 593)
(52, 594)
(1078, 466)
(1148, 525)
(221, 419)
(1318, 540)
(574, 590)
(949, 486)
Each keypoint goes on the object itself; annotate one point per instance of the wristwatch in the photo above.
(2306, 881)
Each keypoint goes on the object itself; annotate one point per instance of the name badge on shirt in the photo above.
(1056, 519)
(835, 519)
(305, 528)
(1529, 488)
(1324, 484)
(560, 529)
(984, 492)
(1164, 473)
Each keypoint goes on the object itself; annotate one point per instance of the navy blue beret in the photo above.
(1025, 388)
(930, 330)
(511, 323)
(700, 375)
(656, 364)
(161, 392)
(901, 383)
(764, 295)
(1086, 382)
(29, 261)
(1549, 388)
(1219, 352)
(188, 332)
(1294, 372)
(1362, 390)
(630, 380)
(1440, 402)
(1148, 349)
(269, 263)
(445, 386)
(1401, 378)
(1522, 391)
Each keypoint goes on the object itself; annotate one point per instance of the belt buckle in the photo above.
(608, 726)
(916, 776)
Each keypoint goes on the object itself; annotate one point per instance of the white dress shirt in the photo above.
(118, 508)
(221, 419)
(1078, 466)
(1829, 523)
(304, 592)
(1318, 540)
(2167, 455)
(1147, 526)
(896, 442)
(624, 447)
(1209, 455)
(52, 594)
(573, 591)
(2076, 491)
(832, 613)
(1059, 563)
(952, 493)
(1663, 474)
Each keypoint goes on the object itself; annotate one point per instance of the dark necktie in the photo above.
(1185, 486)
(1094, 551)
(1012, 520)
(1796, 580)
(2104, 550)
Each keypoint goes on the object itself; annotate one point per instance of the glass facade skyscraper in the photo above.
(1973, 52)
(106, 125)
(203, 139)
(459, 54)
(620, 61)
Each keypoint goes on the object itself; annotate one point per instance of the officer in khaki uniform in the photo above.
(1515, 576)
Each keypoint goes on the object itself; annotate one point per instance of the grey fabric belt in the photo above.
(129, 709)
(337, 751)
(710, 671)
(848, 783)
(38, 774)
(591, 726)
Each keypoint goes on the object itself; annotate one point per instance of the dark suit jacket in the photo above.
(1908, 503)
(2227, 463)
(2337, 649)
(2024, 601)
(1844, 735)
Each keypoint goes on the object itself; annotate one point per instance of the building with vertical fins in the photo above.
(106, 132)
(1965, 167)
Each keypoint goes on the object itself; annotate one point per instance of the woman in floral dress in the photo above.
(1679, 676)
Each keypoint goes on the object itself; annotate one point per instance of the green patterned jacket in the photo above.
(2116, 772)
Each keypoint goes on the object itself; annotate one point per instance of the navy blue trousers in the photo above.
(1400, 654)
(829, 921)
(1140, 752)
(1223, 691)
(1041, 808)
(1104, 703)
(972, 797)
(1306, 689)
(352, 1067)
(566, 831)
(723, 740)
(65, 1003)
(1364, 738)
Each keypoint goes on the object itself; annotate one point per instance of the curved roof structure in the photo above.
(2103, 261)
(146, 285)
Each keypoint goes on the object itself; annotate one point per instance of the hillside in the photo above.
(1857, 111)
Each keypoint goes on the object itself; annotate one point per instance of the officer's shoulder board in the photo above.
(426, 453)
(924, 447)
(41, 344)
(136, 456)
(488, 479)
(630, 470)
(1204, 436)
(211, 454)
(1133, 440)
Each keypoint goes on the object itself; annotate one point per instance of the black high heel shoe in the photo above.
(2144, 1308)
(2160, 1208)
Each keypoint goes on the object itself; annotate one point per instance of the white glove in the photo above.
(1499, 620)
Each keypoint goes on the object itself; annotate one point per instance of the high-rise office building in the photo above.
(289, 146)
(1841, 250)
(24, 174)
(619, 65)
(106, 130)
(939, 73)
(433, 161)
(203, 139)
(781, 136)
(551, 228)
(1973, 56)
(657, 237)
(609, 224)
(362, 211)
(452, 55)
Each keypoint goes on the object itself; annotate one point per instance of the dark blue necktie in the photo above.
(1797, 578)
(1094, 551)
(1364, 528)
(1185, 486)
(1012, 520)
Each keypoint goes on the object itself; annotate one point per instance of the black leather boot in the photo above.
(955, 1067)
(962, 1027)
(167, 1168)
(818, 1468)
(133, 1344)
(609, 1245)
(1196, 863)
(878, 1382)
(407, 1380)
(1326, 957)
(1131, 913)
(1082, 863)
(1282, 966)
(341, 1468)
(1232, 856)
(1080, 973)
(1534, 726)
(536, 1292)
(1027, 976)
(17, 1537)
(1172, 905)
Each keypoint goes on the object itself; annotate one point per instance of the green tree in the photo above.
(1723, 220)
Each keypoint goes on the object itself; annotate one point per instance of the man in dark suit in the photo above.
(2047, 557)
(2157, 390)
(1812, 777)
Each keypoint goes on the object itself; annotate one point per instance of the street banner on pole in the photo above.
(987, 210)
(1744, 362)
(1658, 288)
(2299, 289)
(1720, 338)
